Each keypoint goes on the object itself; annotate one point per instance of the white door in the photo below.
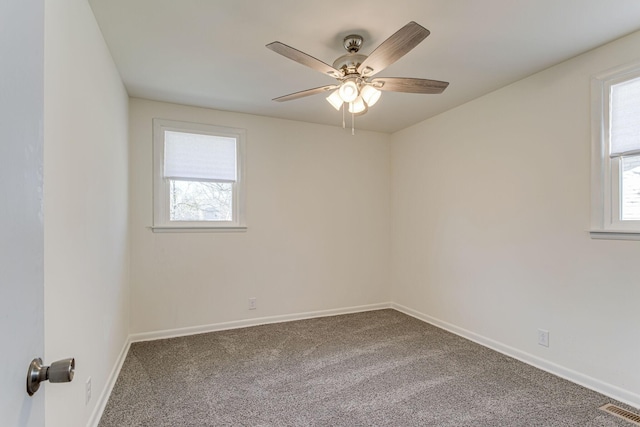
(21, 221)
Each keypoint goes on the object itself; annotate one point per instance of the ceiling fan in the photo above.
(354, 71)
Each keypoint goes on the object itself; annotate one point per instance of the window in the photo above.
(616, 153)
(197, 177)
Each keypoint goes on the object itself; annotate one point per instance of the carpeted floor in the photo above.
(379, 368)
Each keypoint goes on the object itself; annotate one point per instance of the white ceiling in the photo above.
(212, 53)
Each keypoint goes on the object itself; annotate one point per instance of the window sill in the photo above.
(615, 234)
(197, 229)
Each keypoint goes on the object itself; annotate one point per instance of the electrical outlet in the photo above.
(543, 338)
(87, 395)
(253, 304)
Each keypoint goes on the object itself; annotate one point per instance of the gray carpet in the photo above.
(379, 368)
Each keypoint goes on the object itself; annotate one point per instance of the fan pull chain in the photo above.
(353, 119)
(343, 124)
(353, 124)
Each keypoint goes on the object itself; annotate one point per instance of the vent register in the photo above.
(621, 413)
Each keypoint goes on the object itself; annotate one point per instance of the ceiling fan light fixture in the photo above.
(357, 106)
(370, 94)
(335, 100)
(354, 72)
(348, 91)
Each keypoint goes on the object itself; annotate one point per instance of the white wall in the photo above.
(318, 220)
(21, 227)
(86, 208)
(490, 212)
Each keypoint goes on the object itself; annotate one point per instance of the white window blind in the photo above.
(198, 157)
(625, 118)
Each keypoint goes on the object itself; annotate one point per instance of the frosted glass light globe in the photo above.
(370, 95)
(335, 100)
(348, 91)
(357, 106)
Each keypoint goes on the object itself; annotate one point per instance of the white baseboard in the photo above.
(193, 330)
(594, 384)
(94, 420)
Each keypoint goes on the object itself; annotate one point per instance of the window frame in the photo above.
(161, 185)
(605, 170)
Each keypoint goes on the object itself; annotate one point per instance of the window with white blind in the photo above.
(198, 176)
(616, 153)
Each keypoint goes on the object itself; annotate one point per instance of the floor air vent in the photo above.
(622, 413)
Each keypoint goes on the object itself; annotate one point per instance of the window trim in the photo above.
(605, 190)
(161, 222)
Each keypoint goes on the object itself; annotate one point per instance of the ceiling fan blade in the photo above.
(409, 85)
(393, 48)
(304, 59)
(304, 93)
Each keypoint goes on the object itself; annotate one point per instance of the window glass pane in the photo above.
(630, 188)
(200, 201)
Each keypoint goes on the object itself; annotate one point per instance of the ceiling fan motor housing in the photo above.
(349, 63)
